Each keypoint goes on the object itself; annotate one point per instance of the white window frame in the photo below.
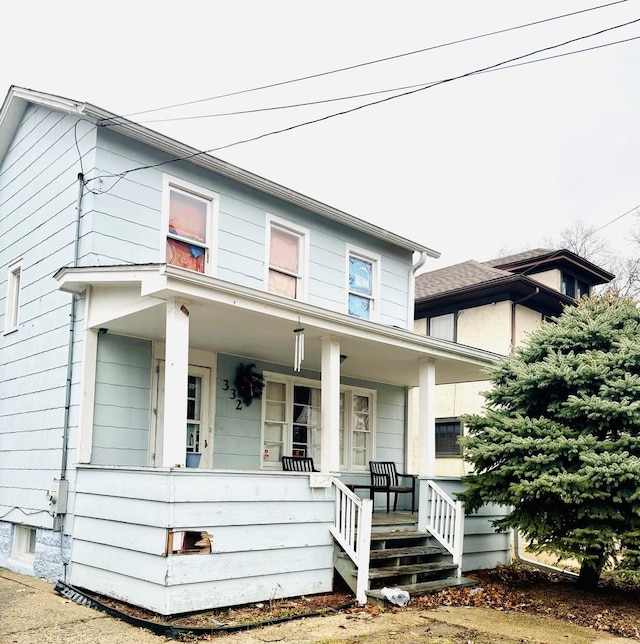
(348, 391)
(302, 276)
(347, 464)
(14, 286)
(453, 326)
(22, 540)
(213, 210)
(376, 271)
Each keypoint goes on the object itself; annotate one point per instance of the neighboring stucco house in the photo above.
(492, 305)
(171, 326)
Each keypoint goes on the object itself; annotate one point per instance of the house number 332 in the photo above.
(233, 394)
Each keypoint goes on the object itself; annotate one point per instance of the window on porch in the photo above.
(356, 429)
(291, 422)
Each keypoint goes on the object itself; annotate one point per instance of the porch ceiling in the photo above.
(248, 323)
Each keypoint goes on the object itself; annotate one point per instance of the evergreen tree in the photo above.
(559, 442)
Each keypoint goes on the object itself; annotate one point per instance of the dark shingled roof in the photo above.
(454, 277)
(518, 257)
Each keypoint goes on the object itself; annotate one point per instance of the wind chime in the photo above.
(298, 354)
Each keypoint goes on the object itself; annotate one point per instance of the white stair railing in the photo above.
(352, 530)
(445, 521)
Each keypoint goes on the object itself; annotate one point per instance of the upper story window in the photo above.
(287, 252)
(14, 278)
(573, 287)
(189, 213)
(364, 284)
(447, 434)
(443, 327)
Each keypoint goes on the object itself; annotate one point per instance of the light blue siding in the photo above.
(270, 537)
(126, 228)
(38, 196)
(122, 401)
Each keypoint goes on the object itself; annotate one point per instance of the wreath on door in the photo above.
(248, 382)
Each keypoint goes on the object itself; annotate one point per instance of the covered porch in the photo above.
(149, 530)
(184, 319)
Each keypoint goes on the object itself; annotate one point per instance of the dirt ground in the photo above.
(509, 605)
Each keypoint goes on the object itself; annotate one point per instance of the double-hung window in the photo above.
(286, 259)
(14, 278)
(190, 214)
(291, 422)
(363, 284)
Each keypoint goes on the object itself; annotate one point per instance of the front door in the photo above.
(198, 440)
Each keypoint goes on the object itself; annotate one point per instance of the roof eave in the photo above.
(16, 101)
(505, 282)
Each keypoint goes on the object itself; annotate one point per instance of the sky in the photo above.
(475, 167)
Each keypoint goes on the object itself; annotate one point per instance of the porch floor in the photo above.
(381, 518)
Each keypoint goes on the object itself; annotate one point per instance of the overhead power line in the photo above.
(364, 64)
(376, 92)
(635, 209)
(514, 59)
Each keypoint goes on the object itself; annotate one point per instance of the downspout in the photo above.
(58, 499)
(513, 315)
(72, 327)
(408, 424)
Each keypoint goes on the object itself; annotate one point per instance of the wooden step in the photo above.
(398, 534)
(410, 569)
(426, 587)
(409, 551)
(392, 553)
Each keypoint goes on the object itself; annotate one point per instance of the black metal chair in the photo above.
(385, 478)
(298, 464)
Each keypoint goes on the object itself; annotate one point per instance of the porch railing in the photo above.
(352, 530)
(445, 521)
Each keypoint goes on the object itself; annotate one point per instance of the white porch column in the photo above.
(175, 385)
(427, 417)
(330, 409)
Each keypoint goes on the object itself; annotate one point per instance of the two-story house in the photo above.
(171, 326)
(492, 305)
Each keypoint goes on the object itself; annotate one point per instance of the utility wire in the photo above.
(635, 209)
(358, 65)
(121, 175)
(376, 92)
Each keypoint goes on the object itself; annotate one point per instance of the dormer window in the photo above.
(573, 287)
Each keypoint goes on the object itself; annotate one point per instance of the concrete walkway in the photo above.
(31, 611)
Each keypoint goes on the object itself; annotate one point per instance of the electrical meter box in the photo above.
(57, 496)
